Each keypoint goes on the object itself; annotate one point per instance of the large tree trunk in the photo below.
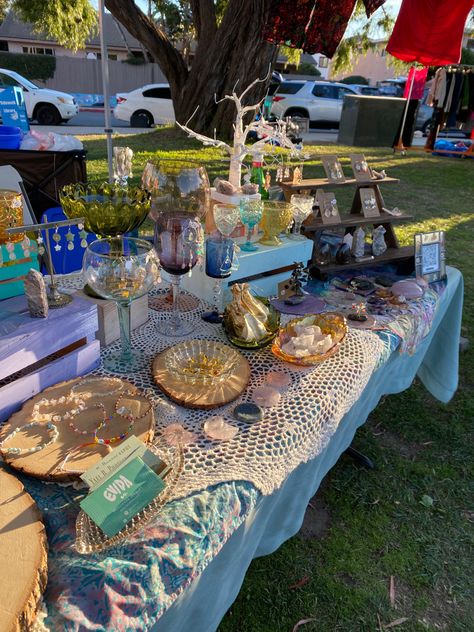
(228, 57)
(235, 57)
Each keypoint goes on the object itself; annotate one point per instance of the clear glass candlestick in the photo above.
(121, 269)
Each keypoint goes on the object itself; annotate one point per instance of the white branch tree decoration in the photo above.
(275, 133)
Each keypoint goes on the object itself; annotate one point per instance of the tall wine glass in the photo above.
(180, 199)
(121, 269)
(302, 207)
(251, 212)
(220, 255)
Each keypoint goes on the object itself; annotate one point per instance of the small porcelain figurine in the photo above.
(378, 241)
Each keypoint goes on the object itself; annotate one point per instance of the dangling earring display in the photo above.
(57, 239)
(70, 239)
(82, 235)
(40, 241)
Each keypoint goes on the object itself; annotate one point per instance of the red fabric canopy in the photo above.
(430, 31)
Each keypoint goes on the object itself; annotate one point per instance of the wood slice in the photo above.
(24, 555)
(46, 464)
(195, 396)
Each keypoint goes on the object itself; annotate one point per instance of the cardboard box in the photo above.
(109, 330)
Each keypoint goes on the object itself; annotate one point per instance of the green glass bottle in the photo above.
(258, 177)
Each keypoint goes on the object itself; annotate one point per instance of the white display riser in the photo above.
(262, 269)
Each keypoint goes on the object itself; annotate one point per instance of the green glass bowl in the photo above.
(108, 209)
(273, 325)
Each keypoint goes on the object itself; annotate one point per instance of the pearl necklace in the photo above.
(37, 416)
(98, 380)
(17, 451)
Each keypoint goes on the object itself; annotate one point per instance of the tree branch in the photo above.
(153, 38)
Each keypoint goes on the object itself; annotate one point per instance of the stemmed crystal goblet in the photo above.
(121, 269)
(220, 254)
(251, 212)
(180, 199)
(302, 207)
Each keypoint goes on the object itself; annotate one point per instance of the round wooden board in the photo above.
(194, 396)
(46, 463)
(24, 555)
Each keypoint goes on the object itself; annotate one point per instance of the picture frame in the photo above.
(328, 207)
(360, 168)
(368, 202)
(333, 169)
(430, 256)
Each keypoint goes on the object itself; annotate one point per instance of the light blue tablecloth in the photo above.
(277, 517)
(183, 570)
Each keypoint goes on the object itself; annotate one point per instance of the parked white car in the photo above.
(48, 107)
(319, 101)
(146, 106)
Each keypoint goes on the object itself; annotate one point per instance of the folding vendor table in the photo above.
(185, 568)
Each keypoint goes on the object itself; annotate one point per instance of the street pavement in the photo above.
(92, 122)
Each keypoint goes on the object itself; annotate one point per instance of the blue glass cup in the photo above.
(219, 258)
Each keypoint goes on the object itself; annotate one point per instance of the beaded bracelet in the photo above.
(77, 411)
(37, 416)
(115, 439)
(95, 380)
(123, 411)
(17, 451)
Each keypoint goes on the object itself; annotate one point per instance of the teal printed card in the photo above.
(120, 456)
(122, 496)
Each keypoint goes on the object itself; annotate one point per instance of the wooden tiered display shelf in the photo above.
(313, 225)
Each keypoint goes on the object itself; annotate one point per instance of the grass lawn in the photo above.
(412, 519)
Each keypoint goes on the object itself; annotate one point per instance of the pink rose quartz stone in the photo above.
(266, 396)
(217, 428)
(277, 379)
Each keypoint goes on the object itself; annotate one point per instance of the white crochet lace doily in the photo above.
(293, 432)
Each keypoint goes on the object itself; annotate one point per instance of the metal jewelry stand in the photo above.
(55, 297)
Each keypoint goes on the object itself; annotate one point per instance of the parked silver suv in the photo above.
(320, 101)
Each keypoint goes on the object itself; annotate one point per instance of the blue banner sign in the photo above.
(13, 109)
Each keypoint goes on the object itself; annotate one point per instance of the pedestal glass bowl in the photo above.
(251, 212)
(109, 209)
(121, 269)
(201, 362)
(301, 207)
(180, 199)
(276, 217)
